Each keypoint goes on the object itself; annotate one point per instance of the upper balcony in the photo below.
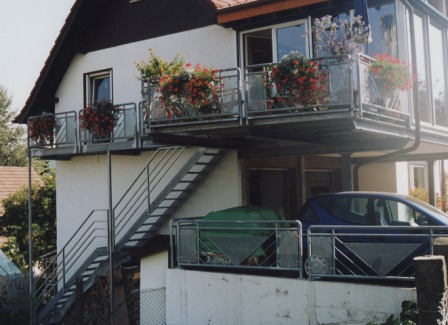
(345, 104)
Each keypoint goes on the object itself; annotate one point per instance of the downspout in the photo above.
(416, 104)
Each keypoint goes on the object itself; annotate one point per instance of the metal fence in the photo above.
(260, 244)
(14, 295)
(370, 252)
(142, 307)
(378, 252)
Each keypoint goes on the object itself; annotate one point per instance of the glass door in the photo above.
(270, 44)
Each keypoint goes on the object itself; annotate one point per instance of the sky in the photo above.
(28, 30)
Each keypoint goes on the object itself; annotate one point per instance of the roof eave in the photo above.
(259, 8)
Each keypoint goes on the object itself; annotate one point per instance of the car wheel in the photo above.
(316, 265)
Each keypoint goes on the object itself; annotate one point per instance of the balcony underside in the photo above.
(320, 132)
(316, 133)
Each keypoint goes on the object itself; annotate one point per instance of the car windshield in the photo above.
(426, 206)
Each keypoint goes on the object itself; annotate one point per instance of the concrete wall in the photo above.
(379, 177)
(218, 298)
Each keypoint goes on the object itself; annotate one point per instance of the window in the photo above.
(422, 81)
(98, 86)
(437, 56)
(383, 27)
(271, 44)
(418, 175)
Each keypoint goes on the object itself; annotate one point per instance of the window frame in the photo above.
(273, 28)
(89, 83)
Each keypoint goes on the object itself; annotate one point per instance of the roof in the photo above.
(12, 179)
(6, 265)
(222, 4)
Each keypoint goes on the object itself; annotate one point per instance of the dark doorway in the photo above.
(269, 188)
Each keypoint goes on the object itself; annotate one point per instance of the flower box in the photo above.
(41, 129)
(99, 119)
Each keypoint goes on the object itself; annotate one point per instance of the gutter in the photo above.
(416, 104)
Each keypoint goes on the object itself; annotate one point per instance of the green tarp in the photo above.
(230, 239)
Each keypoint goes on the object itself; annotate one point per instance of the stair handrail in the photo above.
(62, 262)
(170, 154)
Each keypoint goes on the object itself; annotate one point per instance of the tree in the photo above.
(14, 222)
(12, 137)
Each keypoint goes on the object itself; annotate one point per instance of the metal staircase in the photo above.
(163, 185)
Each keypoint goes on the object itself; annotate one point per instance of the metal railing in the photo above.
(124, 128)
(375, 101)
(346, 84)
(136, 201)
(379, 252)
(351, 252)
(335, 85)
(82, 245)
(260, 244)
(227, 104)
(53, 131)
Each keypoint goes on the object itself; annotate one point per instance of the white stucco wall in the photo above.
(209, 46)
(82, 186)
(380, 177)
(219, 298)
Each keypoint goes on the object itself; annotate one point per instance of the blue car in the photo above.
(370, 209)
(368, 234)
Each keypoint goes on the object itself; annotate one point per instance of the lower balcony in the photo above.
(344, 105)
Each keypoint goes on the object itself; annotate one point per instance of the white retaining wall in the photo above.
(198, 298)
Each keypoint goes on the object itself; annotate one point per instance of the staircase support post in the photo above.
(30, 239)
(111, 239)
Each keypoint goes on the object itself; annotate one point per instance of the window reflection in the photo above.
(424, 107)
(384, 29)
(101, 89)
(437, 74)
(290, 39)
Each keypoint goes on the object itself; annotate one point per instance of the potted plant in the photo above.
(298, 81)
(338, 36)
(391, 75)
(156, 66)
(151, 71)
(100, 118)
(391, 72)
(41, 129)
(191, 92)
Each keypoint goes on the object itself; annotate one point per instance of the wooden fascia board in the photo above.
(227, 17)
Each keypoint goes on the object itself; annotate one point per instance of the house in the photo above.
(118, 190)
(12, 179)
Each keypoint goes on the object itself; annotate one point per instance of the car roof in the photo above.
(361, 193)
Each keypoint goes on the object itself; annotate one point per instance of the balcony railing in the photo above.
(335, 86)
(376, 252)
(49, 131)
(351, 252)
(264, 245)
(226, 103)
(345, 86)
(124, 128)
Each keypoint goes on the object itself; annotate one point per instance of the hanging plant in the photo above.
(100, 118)
(41, 129)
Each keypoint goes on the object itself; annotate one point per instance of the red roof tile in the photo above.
(13, 179)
